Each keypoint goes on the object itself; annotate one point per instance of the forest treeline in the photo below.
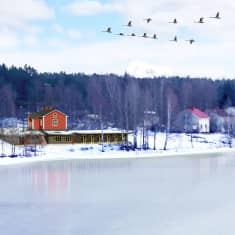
(122, 100)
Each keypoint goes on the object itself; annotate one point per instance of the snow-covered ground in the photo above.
(178, 144)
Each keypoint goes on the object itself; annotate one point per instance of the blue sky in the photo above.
(66, 36)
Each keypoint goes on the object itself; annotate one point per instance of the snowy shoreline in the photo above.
(179, 145)
(115, 155)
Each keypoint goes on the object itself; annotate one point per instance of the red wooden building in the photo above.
(48, 119)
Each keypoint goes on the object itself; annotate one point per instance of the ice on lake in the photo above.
(178, 195)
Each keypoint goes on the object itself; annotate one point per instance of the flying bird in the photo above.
(175, 39)
(174, 21)
(108, 30)
(217, 16)
(120, 34)
(144, 35)
(201, 21)
(154, 36)
(129, 24)
(148, 20)
(191, 41)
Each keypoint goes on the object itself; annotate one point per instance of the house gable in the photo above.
(52, 119)
(55, 120)
(54, 110)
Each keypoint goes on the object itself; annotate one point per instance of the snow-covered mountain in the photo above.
(143, 70)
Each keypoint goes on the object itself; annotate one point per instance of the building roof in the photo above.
(88, 132)
(43, 113)
(39, 114)
(199, 113)
(221, 112)
(230, 111)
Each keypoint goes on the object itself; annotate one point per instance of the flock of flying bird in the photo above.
(154, 36)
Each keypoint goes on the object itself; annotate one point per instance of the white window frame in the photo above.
(55, 122)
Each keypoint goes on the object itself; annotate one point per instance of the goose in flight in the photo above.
(201, 21)
(175, 39)
(129, 24)
(148, 20)
(191, 41)
(144, 35)
(154, 36)
(217, 16)
(132, 35)
(174, 21)
(120, 34)
(108, 30)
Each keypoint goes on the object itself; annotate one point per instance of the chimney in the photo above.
(48, 108)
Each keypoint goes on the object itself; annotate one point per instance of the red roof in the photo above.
(199, 113)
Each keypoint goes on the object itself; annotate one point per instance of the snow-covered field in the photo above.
(178, 144)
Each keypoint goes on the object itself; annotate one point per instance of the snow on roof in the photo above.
(199, 113)
(44, 113)
(230, 111)
(86, 132)
(221, 112)
(19, 131)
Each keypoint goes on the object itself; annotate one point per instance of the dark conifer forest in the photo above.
(122, 100)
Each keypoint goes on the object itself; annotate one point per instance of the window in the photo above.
(54, 122)
(84, 139)
(55, 115)
(107, 138)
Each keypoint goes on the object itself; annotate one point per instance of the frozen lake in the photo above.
(181, 195)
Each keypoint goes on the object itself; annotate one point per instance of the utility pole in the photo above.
(154, 138)
(1, 135)
(101, 127)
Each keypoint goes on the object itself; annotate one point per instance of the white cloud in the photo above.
(8, 39)
(15, 13)
(30, 41)
(115, 56)
(57, 28)
(186, 11)
(70, 33)
(73, 34)
(87, 7)
(211, 55)
(55, 44)
(19, 22)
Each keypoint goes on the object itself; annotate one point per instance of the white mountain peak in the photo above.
(143, 70)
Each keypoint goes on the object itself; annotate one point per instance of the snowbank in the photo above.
(178, 145)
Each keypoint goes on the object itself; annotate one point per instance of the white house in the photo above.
(192, 120)
(202, 121)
